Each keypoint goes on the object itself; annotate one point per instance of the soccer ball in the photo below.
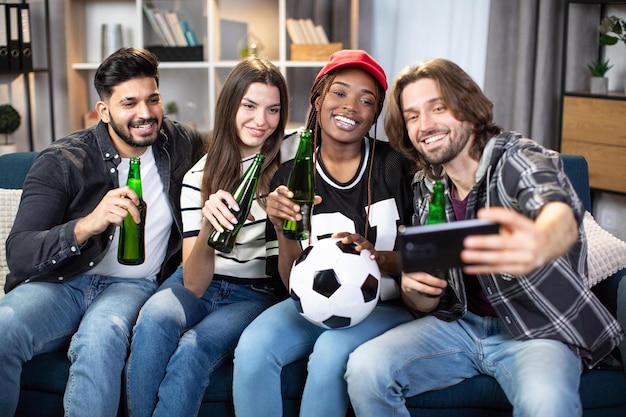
(333, 285)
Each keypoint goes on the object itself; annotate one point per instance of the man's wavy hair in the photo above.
(459, 93)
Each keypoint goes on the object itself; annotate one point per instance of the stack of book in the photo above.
(304, 31)
(309, 41)
(169, 28)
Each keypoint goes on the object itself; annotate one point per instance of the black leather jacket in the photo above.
(67, 181)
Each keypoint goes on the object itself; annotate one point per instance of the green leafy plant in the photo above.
(599, 68)
(612, 30)
(171, 108)
(10, 120)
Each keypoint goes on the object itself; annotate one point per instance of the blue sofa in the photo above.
(603, 391)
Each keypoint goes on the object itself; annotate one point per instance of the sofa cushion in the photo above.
(606, 254)
(9, 200)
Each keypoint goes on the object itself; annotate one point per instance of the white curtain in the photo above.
(406, 31)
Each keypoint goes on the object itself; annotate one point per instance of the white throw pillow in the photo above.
(9, 201)
(606, 254)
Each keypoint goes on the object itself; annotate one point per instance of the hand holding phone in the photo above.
(438, 246)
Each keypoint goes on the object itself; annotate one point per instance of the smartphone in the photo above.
(438, 246)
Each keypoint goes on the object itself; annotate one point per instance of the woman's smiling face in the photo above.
(348, 109)
(257, 117)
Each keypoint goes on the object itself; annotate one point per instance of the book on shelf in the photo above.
(309, 30)
(190, 35)
(304, 31)
(169, 28)
(164, 27)
(149, 13)
(321, 34)
(177, 31)
(295, 31)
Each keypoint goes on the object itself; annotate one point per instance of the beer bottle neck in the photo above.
(134, 176)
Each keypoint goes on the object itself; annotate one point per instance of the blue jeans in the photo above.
(540, 377)
(180, 339)
(280, 336)
(96, 312)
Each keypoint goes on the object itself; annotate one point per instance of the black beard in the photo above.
(452, 151)
(127, 138)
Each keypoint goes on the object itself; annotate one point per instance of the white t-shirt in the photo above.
(158, 224)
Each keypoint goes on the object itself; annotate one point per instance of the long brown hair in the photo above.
(460, 94)
(223, 163)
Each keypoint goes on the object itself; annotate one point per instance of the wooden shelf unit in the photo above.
(184, 82)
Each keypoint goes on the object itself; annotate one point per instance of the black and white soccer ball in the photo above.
(333, 285)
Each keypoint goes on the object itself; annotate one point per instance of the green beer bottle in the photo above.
(436, 215)
(301, 182)
(437, 205)
(244, 193)
(131, 249)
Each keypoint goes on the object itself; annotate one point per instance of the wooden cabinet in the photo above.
(194, 85)
(592, 125)
(596, 128)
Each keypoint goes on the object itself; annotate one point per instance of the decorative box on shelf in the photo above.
(177, 53)
(313, 52)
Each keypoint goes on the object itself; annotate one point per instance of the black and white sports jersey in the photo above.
(344, 205)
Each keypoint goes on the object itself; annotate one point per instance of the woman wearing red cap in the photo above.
(365, 193)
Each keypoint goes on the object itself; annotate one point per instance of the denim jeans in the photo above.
(540, 377)
(96, 312)
(180, 339)
(280, 336)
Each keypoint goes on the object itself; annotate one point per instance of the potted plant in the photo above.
(10, 121)
(612, 31)
(599, 84)
(171, 110)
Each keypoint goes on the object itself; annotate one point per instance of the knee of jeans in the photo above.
(547, 399)
(249, 364)
(249, 356)
(361, 362)
(161, 311)
(258, 352)
(329, 352)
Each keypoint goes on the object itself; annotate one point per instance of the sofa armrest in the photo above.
(621, 308)
(14, 167)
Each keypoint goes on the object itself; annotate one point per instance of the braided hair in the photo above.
(320, 88)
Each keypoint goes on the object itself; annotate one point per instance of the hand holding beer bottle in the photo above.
(244, 193)
(131, 249)
(301, 183)
(436, 215)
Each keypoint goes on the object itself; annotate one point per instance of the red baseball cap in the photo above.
(355, 58)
